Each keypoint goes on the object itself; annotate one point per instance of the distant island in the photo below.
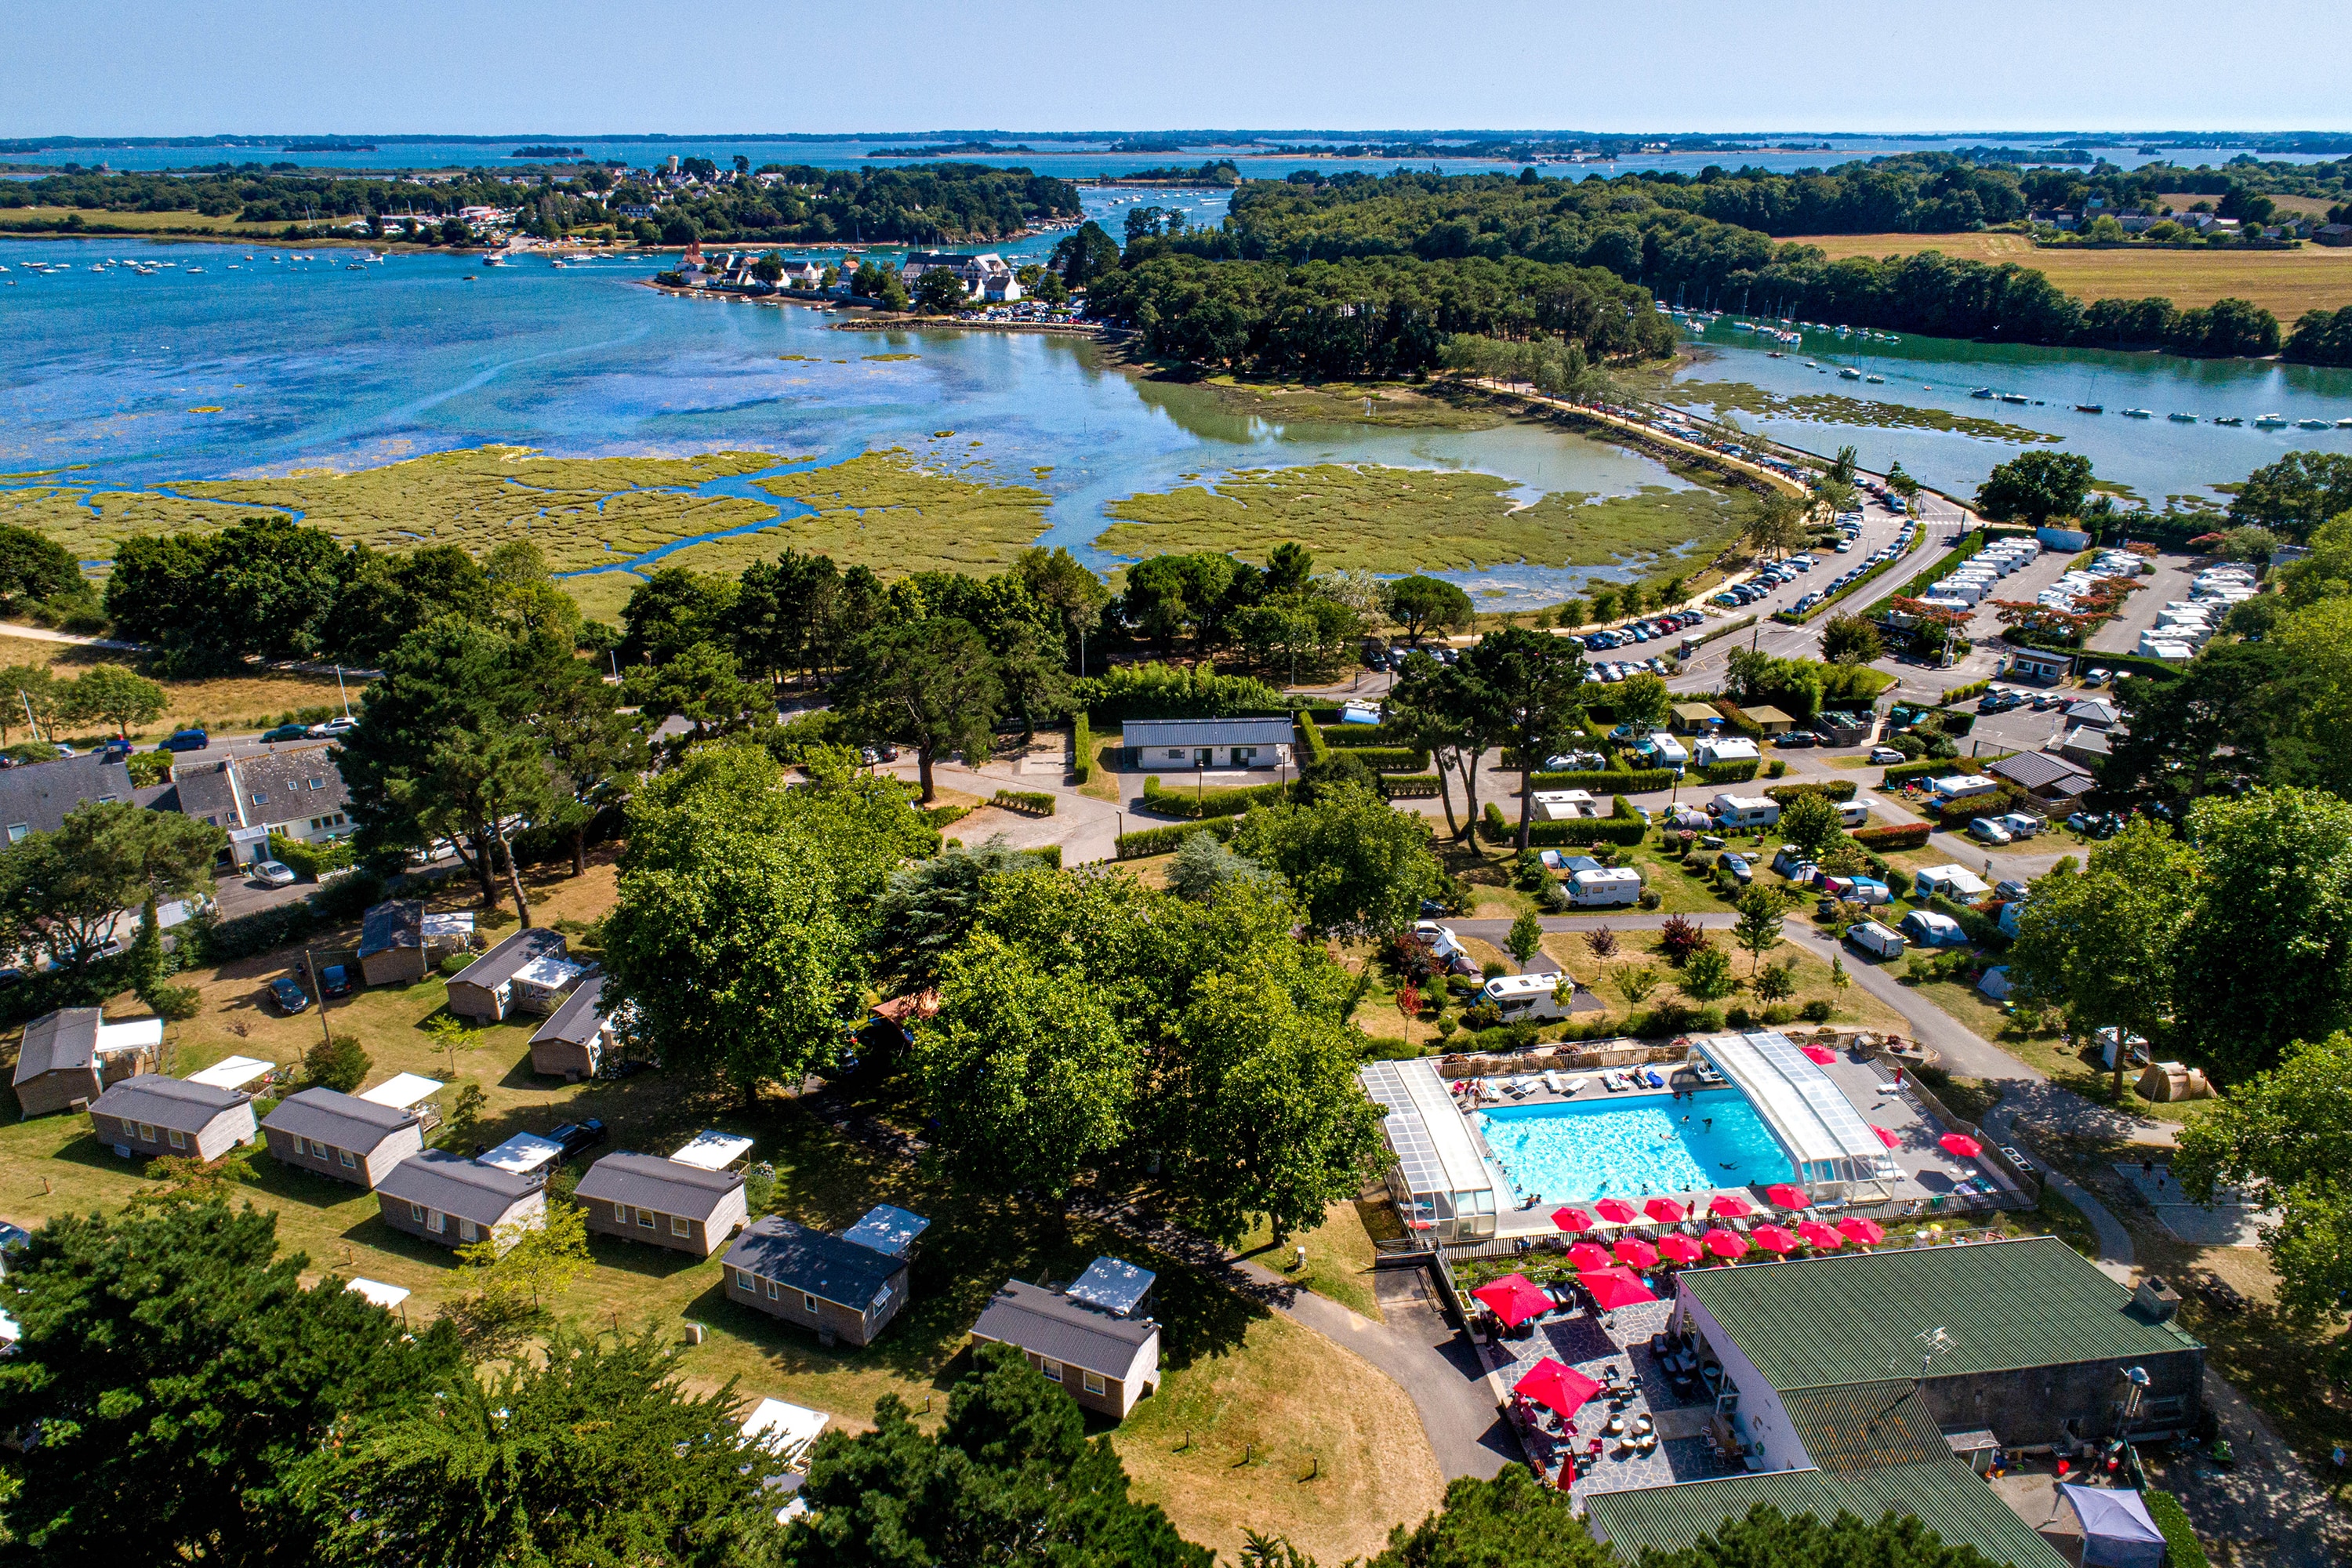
(327, 147)
(1217, 172)
(948, 150)
(536, 151)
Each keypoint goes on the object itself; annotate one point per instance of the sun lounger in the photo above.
(1614, 1082)
(1650, 1076)
(1551, 1081)
(1576, 1082)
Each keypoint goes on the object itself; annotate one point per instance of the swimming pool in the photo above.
(1631, 1149)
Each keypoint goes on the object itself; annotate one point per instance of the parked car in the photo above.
(1985, 830)
(2096, 677)
(872, 754)
(273, 873)
(335, 980)
(575, 1136)
(1737, 864)
(184, 741)
(2009, 889)
(338, 725)
(287, 992)
(2021, 824)
(1885, 755)
(1796, 740)
(286, 732)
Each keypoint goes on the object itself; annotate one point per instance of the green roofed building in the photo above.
(1864, 1382)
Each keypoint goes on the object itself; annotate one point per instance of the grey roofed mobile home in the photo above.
(449, 1199)
(824, 1282)
(2043, 776)
(68, 1058)
(645, 1197)
(1218, 742)
(484, 989)
(153, 1114)
(572, 1042)
(341, 1135)
(36, 799)
(1118, 1358)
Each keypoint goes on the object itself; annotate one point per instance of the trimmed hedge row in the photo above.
(1926, 767)
(1615, 781)
(1082, 748)
(1038, 802)
(1161, 840)
(1209, 803)
(1623, 825)
(1391, 759)
(1738, 772)
(1311, 736)
(1359, 735)
(1893, 835)
(1835, 789)
(1408, 787)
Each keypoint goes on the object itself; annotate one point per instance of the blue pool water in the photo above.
(1630, 1148)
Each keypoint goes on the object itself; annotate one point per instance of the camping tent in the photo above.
(2117, 1530)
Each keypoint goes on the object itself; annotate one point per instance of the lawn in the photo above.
(248, 702)
(2288, 282)
(1339, 1251)
(1238, 1380)
(1388, 519)
(1851, 1008)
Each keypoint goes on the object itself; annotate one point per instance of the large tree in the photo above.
(2316, 643)
(587, 1452)
(64, 893)
(2265, 957)
(1359, 866)
(268, 586)
(1010, 1479)
(1450, 710)
(2215, 720)
(181, 1375)
(1516, 1519)
(597, 751)
(2295, 494)
(1537, 681)
(930, 683)
(115, 694)
(2035, 487)
(1074, 594)
(1425, 603)
(34, 568)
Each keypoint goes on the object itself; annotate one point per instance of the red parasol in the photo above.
(1665, 1211)
(1820, 1054)
(1789, 1197)
(1616, 1210)
(1867, 1232)
(1515, 1299)
(1959, 1143)
(1589, 1255)
(1889, 1139)
(1562, 1387)
(1571, 1220)
(1774, 1238)
(1724, 1206)
(1615, 1288)
(1682, 1249)
(1724, 1243)
(1816, 1234)
(1640, 1254)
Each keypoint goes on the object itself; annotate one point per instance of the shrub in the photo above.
(1164, 840)
(1894, 835)
(1173, 691)
(175, 1003)
(1674, 1017)
(1391, 759)
(1408, 787)
(1210, 803)
(1726, 773)
(1776, 768)
(1357, 734)
(1035, 801)
(456, 962)
(1491, 821)
(150, 768)
(1833, 789)
(1082, 747)
(1650, 898)
(1927, 767)
(336, 1063)
(1739, 1018)
(1680, 937)
(1817, 1011)
(312, 860)
(1609, 781)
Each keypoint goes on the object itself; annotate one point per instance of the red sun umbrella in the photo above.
(1615, 1209)
(1816, 1234)
(1562, 1387)
(1515, 1299)
(1820, 1054)
(1640, 1254)
(1774, 1238)
(1855, 1228)
(1889, 1139)
(1665, 1211)
(1959, 1143)
(1789, 1197)
(1614, 1288)
(1724, 1243)
(1589, 1255)
(1724, 1206)
(1571, 1220)
(1682, 1249)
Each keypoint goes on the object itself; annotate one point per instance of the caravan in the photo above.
(1743, 811)
(1528, 998)
(1604, 888)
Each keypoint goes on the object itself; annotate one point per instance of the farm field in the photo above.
(2286, 282)
(250, 701)
(1364, 516)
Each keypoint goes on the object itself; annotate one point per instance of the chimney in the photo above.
(2156, 1298)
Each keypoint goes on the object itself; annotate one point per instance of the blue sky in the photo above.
(500, 67)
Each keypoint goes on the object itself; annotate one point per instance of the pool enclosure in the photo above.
(1438, 1178)
(1835, 1153)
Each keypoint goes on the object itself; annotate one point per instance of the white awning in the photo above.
(388, 1296)
(713, 1151)
(130, 1035)
(784, 1430)
(403, 1091)
(522, 1154)
(233, 1072)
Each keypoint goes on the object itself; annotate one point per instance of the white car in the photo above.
(273, 873)
(1885, 755)
(1985, 830)
(336, 726)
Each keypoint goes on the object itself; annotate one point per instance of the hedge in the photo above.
(2172, 1522)
(1835, 789)
(1391, 759)
(1738, 772)
(1082, 748)
(1894, 835)
(1615, 781)
(1174, 691)
(1360, 734)
(1622, 825)
(1926, 767)
(1161, 840)
(1209, 803)
(1970, 542)
(1962, 693)
(2133, 664)
(1738, 719)
(1311, 737)
(1408, 787)
(1035, 801)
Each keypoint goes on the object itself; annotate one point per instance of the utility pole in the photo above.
(341, 692)
(318, 990)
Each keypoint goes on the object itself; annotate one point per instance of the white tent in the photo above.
(388, 1296)
(784, 1430)
(2117, 1530)
(524, 1154)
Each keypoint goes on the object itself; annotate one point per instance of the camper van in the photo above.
(1527, 998)
(1604, 888)
(1852, 813)
(1878, 941)
(1745, 811)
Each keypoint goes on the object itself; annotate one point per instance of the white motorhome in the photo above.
(1527, 998)
(1744, 810)
(1604, 888)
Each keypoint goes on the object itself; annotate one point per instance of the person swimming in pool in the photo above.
(1709, 1124)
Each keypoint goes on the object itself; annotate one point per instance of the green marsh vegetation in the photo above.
(1829, 409)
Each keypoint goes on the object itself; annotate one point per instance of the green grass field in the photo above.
(2288, 282)
(1411, 519)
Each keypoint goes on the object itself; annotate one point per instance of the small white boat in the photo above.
(2139, 414)
(2227, 419)
(1849, 374)
(1875, 380)
(2182, 419)
(2344, 424)
(2270, 422)
(2311, 424)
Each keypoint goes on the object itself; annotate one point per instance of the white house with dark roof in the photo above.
(335, 1134)
(1166, 745)
(68, 1058)
(152, 1114)
(295, 793)
(645, 1197)
(453, 1201)
(1102, 1359)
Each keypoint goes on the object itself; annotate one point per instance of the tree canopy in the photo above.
(2035, 487)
